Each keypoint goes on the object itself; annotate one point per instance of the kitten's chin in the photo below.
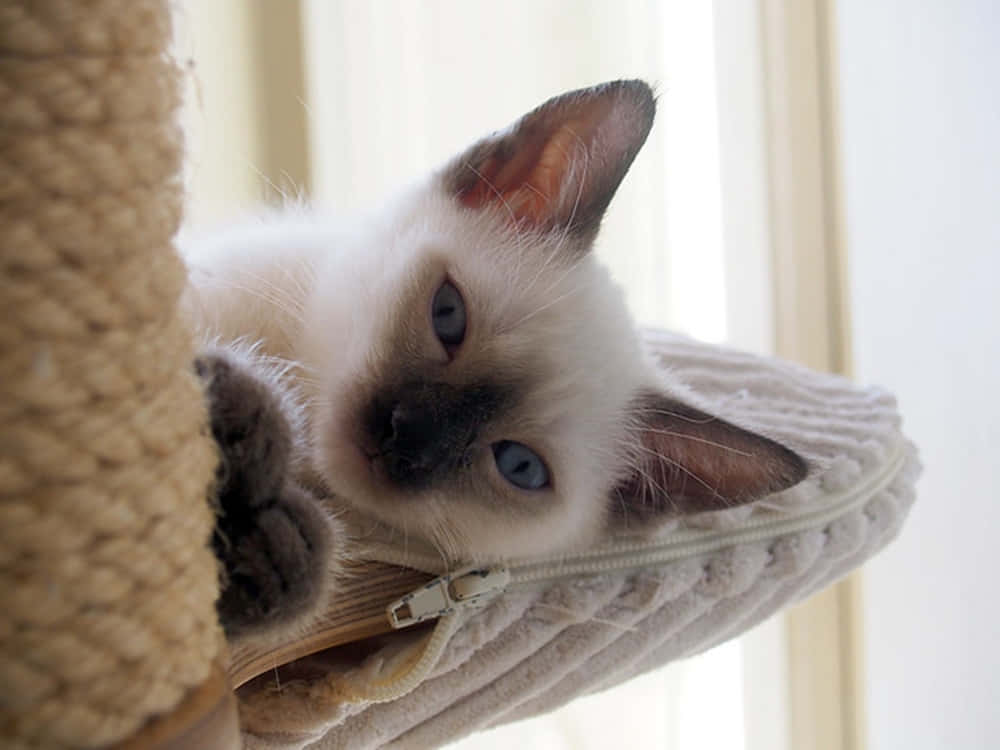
(349, 472)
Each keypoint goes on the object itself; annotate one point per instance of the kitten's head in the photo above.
(484, 386)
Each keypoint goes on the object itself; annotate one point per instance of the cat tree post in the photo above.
(108, 631)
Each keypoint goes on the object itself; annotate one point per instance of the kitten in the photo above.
(469, 374)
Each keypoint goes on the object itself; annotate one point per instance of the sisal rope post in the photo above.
(107, 583)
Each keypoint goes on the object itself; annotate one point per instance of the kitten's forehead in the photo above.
(538, 306)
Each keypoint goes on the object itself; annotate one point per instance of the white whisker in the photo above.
(678, 465)
(547, 305)
(704, 441)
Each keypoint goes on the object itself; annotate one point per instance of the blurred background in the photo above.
(822, 183)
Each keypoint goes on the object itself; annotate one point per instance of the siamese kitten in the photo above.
(463, 370)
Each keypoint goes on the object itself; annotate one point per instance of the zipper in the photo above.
(447, 596)
(467, 587)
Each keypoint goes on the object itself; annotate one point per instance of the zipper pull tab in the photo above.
(468, 587)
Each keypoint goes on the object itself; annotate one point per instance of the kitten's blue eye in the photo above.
(448, 315)
(520, 465)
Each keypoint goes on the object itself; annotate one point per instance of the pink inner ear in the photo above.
(690, 462)
(559, 166)
(544, 169)
(699, 469)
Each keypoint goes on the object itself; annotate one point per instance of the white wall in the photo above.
(920, 95)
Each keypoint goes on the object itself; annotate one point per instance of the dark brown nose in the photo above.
(412, 444)
(422, 431)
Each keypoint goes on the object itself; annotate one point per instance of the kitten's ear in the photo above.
(687, 461)
(559, 165)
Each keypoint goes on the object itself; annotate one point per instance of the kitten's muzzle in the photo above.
(422, 432)
(415, 450)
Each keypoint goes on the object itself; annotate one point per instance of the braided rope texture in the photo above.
(107, 583)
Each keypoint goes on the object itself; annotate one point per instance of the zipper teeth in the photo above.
(396, 687)
(621, 558)
(686, 542)
(624, 557)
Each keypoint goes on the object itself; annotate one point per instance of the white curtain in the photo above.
(397, 87)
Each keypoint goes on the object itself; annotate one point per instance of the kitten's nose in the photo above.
(411, 445)
(420, 432)
(411, 429)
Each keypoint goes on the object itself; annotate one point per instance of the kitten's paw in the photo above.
(275, 542)
(248, 423)
(278, 566)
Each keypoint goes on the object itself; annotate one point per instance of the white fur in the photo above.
(350, 306)
(323, 297)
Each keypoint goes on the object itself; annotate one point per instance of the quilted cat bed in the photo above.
(477, 647)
